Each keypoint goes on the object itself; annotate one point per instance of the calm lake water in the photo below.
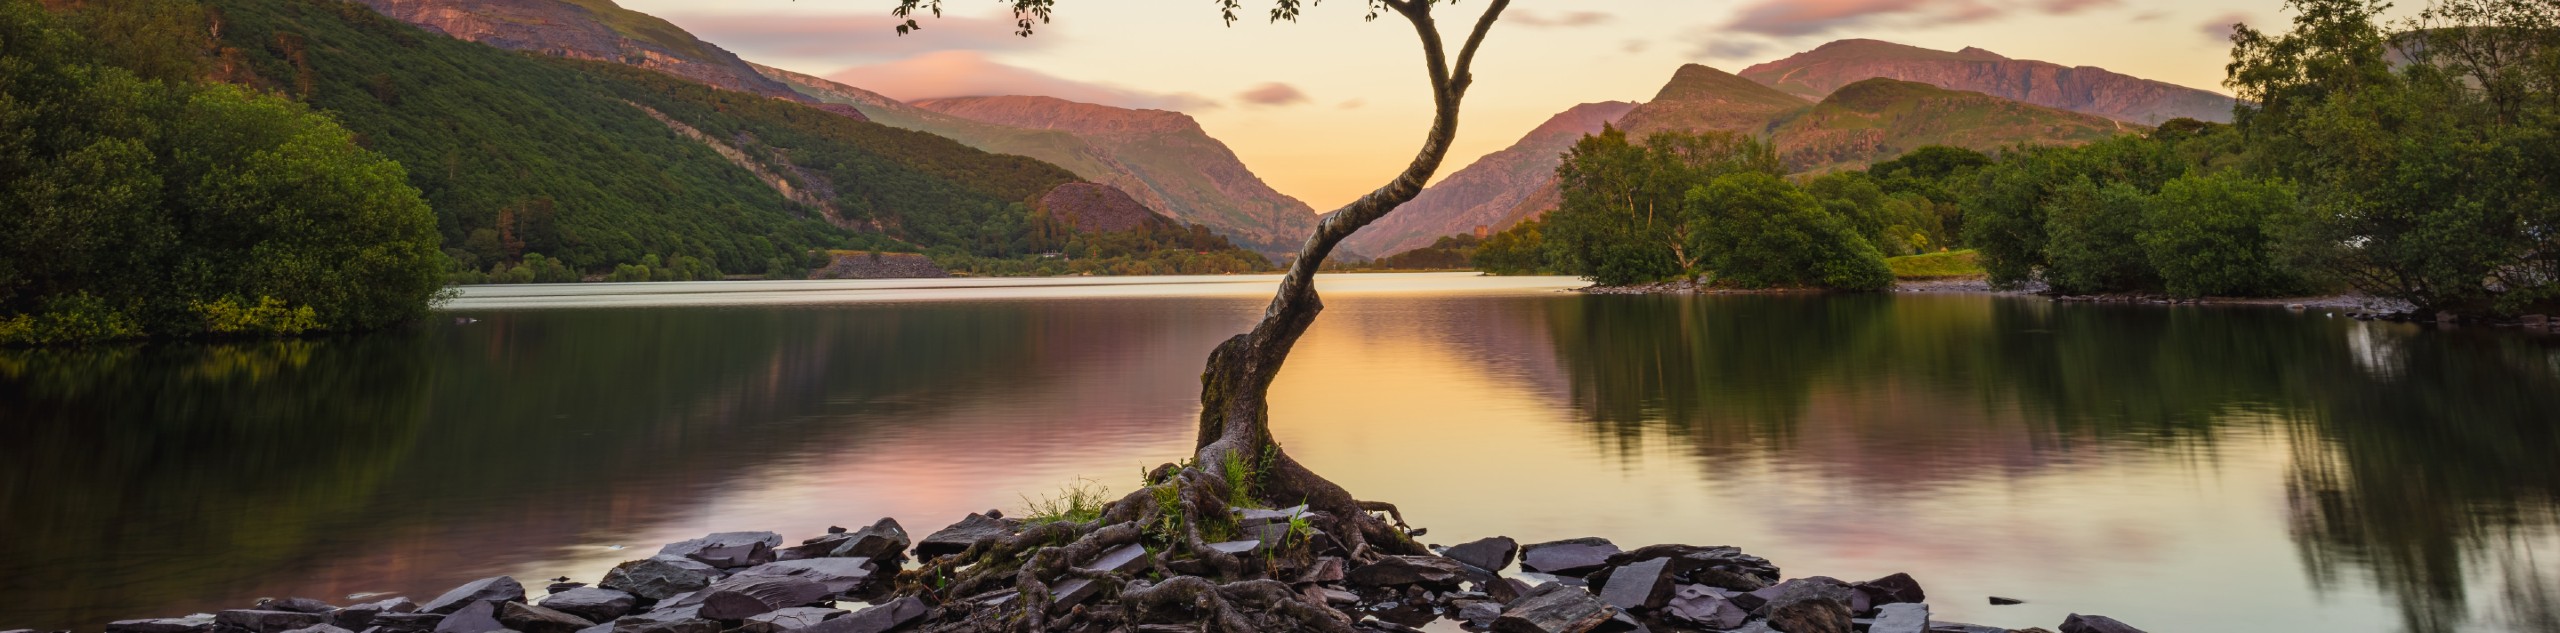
(2184, 469)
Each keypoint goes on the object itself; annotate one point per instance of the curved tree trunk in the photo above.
(1234, 415)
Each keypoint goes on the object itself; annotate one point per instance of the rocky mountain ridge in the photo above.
(1815, 74)
(595, 30)
(1486, 193)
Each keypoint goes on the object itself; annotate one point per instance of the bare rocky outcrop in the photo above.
(595, 30)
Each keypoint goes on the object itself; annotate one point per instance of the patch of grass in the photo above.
(1240, 478)
(1949, 265)
(1079, 502)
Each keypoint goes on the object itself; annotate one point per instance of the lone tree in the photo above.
(1236, 454)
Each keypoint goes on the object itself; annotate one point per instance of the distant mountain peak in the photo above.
(596, 30)
(1816, 73)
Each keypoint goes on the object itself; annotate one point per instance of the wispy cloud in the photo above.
(970, 74)
(1791, 18)
(1272, 94)
(1567, 20)
(2068, 7)
(2219, 28)
(850, 37)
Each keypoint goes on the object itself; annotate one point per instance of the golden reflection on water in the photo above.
(2190, 470)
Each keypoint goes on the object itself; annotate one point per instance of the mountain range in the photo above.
(1839, 106)
(1161, 158)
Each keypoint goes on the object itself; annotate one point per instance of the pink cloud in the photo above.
(846, 36)
(1273, 94)
(1787, 18)
(2219, 29)
(970, 74)
(1568, 20)
(2068, 7)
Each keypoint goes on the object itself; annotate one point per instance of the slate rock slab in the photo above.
(1808, 606)
(838, 575)
(480, 616)
(884, 540)
(1643, 585)
(411, 622)
(596, 604)
(320, 628)
(358, 617)
(1704, 606)
(791, 619)
(738, 597)
(880, 618)
(1554, 608)
(498, 589)
(1570, 557)
(189, 624)
(1492, 554)
(2095, 624)
(1892, 589)
(1901, 617)
(727, 550)
(261, 621)
(297, 605)
(1398, 571)
(527, 618)
(659, 578)
(971, 530)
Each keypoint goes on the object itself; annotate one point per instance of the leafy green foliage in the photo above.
(140, 207)
(2425, 158)
(1520, 250)
(2090, 244)
(1621, 220)
(1759, 232)
(2213, 236)
(1947, 265)
(1079, 502)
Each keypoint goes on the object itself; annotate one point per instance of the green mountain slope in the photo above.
(598, 163)
(1878, 119)
(1817, 73)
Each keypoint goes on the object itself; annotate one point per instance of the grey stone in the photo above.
(297, 605)
(727, 550)
(189, 624)
(320, 628)
(794, 618)
(1892, 589)
(1901, 617)
(596, 604)
(1570, 557)
(1960, 627)
(407, 622)
(971, 530)
(1704, 606)
(1491, 554)
(261, 621)
(1248, 517)
(879, 618)
(1271, 534)
(1554, 608)
(527, 618)
(480, 616)
(1398, 571)
(501, 589)
(2095, 624)
(1806, 605)
(838, 575)
(659, 577)
(1237, 548)
(884, 540)
(2002, 602)
(1643, 585)
(738, 597)
(1120, 559)
(1480, 615)
(358, 617)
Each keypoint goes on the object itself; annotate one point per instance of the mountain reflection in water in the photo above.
(2190, 469)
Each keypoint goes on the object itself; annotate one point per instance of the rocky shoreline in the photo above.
(2359, 307)
(850, 581)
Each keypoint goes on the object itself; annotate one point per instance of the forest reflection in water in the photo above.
(2188, 469)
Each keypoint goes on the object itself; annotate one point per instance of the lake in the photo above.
(2183, 469)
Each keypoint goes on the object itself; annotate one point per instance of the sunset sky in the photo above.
(1329, 107)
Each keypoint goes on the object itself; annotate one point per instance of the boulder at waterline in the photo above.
(1897, 588)
(1704, 606)
(258, 621)
(320, 628)
(2095, 624)
(737, 597)
(409, 622)
(879, 618)
(1808, 606)
(527, 618)
(358, 617)
(480, 616)
(1492, 554)
(727, 550)
(1569, 557)
(297, 605)
(1643, 585)
(838, 575)
(189, 624)
(596, 604)
(1901, 617)
(658, 578)
(971, 530)
(791, 619)
(1397, 571)
(501, 589)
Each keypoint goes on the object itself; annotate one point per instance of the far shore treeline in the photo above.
(2411, 161)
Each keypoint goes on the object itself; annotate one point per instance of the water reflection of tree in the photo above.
(142, 478)
(2422, 458)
